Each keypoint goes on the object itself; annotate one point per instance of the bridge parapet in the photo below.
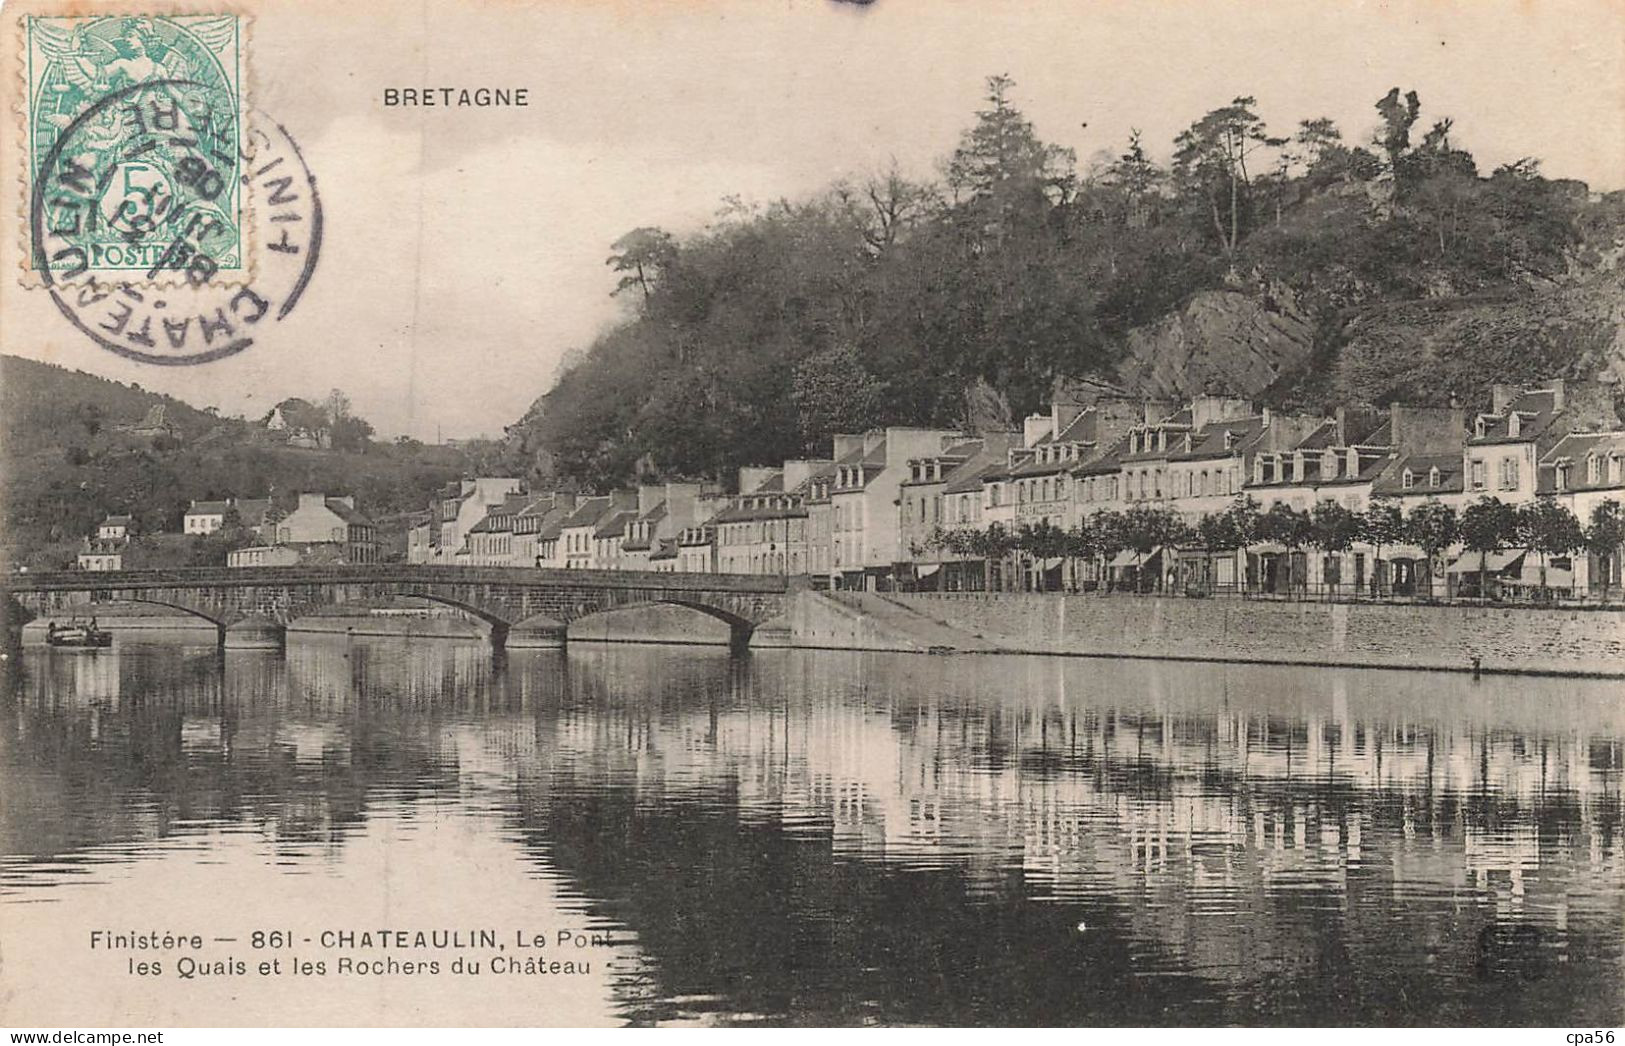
(500, 596)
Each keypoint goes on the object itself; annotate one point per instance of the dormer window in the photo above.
(1407, 480)
(1593, 469)
(1328, 465)
(1514, 424)
(1560, 474)
(1433, 477)
(1229, 440)
(1478, 427)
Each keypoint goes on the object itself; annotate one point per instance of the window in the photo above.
(1407, 480)
(1476, 471)
(1560, 475)
(1593, 469)
(1433, 477)
(1509, 473)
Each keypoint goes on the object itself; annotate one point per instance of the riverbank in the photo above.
(1459, 638)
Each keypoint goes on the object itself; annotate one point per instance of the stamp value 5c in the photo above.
(147, 186)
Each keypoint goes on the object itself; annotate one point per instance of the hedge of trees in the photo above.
(1544, 527)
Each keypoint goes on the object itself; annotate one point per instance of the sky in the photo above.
(465, 249)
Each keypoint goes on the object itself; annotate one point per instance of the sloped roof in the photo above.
(1539, 408)
(587, 513)
(615, 525)
(209, 508)
(348, 514)
(1391, 483)
(1576, 447)
(665, 549)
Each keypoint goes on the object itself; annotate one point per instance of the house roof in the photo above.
(665, 549)
(209, 508)
(588, 513)
(1536, 409)
(615, 525)
(118, 520)
(1391, 482)
(553, 522)
(348, 514)
(1576, 448)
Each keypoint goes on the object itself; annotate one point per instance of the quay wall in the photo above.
(1505, 639)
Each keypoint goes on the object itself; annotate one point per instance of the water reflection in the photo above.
(824, 837)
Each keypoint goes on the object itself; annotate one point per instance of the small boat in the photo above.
(75, 635)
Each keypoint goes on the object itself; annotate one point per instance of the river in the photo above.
(799, 837)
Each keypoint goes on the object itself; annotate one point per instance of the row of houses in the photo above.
(872, 515)
(320, 528)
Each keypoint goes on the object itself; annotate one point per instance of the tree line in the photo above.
(1544, 527)
(959, 300)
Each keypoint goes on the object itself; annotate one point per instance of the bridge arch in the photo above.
(739, 628)
(499, 624)
(88, 609)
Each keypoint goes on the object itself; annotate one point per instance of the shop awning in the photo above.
(1130, 558)
(1267, 548)
(1497, 562)
(1394, 552)
(927, 569)
(1052, 562)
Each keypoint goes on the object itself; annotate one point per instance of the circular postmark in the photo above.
(149, 175)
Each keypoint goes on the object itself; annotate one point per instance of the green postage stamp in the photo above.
(135, 132)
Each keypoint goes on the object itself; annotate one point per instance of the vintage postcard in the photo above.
(557, 514)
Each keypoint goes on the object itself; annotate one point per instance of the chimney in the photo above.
(347, 499)
(797, 471)
(753, 476)
(1266, 414)
(1501, 397)
(1035, 428)
(847, 443)
(649, 495)
(1062, 415)
(1559, 390)
(312, 501)
(1342, 419)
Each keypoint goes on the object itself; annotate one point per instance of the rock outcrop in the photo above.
(1218, 341)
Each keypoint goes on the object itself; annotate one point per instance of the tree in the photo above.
(1487, 525)
(1290, 528)
(1145, 529)
(1229, 530)
(1551, 530)
(1431, 527)
(1137, 177)
(1210, 164)
(1381, 525)
(1333, 528)
(1604, 538)
(1108, 535)
(642, 255)
(1042, 540)
(1001, 162)
(833, 391)
(1398, 117)
(989, 545)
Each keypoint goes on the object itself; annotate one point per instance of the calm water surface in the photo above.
(812, 837)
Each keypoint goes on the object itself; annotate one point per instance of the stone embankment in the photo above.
(1546, 641)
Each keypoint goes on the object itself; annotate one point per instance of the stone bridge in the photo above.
(250, 606)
